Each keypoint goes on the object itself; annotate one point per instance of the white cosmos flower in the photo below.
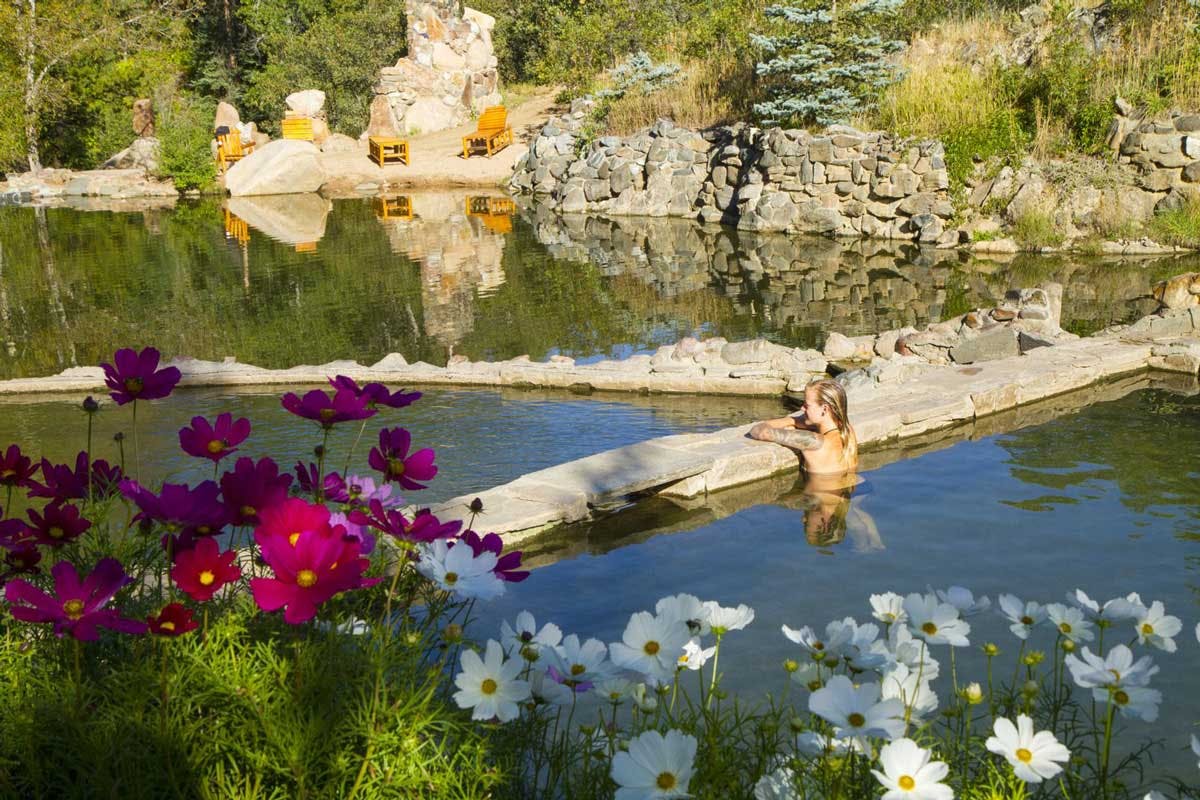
(579, 663)
(1196, 741)
(722, 620)
(650, 645)
(857, 711)
(1115, 671)
(655, 766)
(1023, 616)
(489, 686)
(1070, 622)
(613, 690)
(808, 675)
(814, 744)
(909, 774)
(1157, 628)
(1114, 610)
(777, 785)
(888, 608)
(962, 599)
(912, 653)
(523, 637)
(459, 570)
(911, 690)
(936, 623)
(1034, 757)
(687, 609)
(545, 689)
(830, 646)
(693, 656)
(645, 703)
(1138, 702)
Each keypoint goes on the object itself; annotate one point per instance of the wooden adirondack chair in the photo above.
(230, 149)
(492, 134)
(300, 128)
(382, 149)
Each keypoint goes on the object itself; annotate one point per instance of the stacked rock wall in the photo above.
(840, 182)
(1165, 150)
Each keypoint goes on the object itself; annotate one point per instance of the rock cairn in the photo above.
(448, 75)
(1164, 148)
(841, 182)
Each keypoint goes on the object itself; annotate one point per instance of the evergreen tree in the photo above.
(830, 63)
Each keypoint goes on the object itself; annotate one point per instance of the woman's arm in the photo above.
(789, 431)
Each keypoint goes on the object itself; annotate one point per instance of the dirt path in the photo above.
(437, 157)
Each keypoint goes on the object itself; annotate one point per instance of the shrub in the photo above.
(184, 128)
(1034, 229)
(1178, 226)
(708, 94)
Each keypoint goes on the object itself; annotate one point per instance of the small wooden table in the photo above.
(387, 148)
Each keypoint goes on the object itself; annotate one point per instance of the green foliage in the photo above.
(185, 132)
(1178, 226)
(825, 62)
(999, 135)
(1035, 229)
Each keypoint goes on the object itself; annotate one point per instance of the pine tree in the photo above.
(830, 64)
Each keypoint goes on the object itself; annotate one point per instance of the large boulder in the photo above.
(226, 116)
(142, 154)
(428, 114)
(307, 103)
(284, 166)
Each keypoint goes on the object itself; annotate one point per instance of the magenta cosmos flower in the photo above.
(309, 569)
(76, 607)
(507, 566)
(316, 405)
(57, 525)
(375, 394)
(173, 620)
(180, 508)
(214, 441)
(253, 487)
(422, 528)
(306, 479)
(16, 469)
(394, 461)
(61, 483)
(136, 376)
(202, 570)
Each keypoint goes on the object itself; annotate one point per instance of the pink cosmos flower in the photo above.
(316, 405)
(393, 460)
(76, 607)
(306, 479)
(507, 565)
(375, 394)
(360, 491)
(253, 487)
(355, 532)
(57, 525)
(180, 508)
(23, 558)
(173, 620)
(314, 567)
(292, 517)
(203, 569)
(62, 483)
(214, 442)
(16, 469)
(424, 527)
(136, 376)
(13, 532)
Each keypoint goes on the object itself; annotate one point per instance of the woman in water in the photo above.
(821, 432)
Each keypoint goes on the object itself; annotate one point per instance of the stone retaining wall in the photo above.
(842, 182)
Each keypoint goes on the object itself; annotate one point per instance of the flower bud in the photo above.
(1029, 688)
(476, 506)
(90, 405)
(453, 633)
(1033, 658)
(319, 450)
(1068, 646)
(118, 437)
(530, 653)
(991, 650)
(586, 730)
(790, 666)
(973, 694)
(797, 724)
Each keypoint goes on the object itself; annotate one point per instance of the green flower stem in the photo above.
(1017, 668)
(78, 677)
(319, 489)
(1108, 728)
(353, 447)
(88, 457)
(7, 502)
(991, 692)
(712, 688)
(137, 458)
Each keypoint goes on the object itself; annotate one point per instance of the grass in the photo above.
(1180, 226)
(1035, 229)
(707, 96)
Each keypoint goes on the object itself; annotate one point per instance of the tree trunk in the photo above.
(28, 53)
(57, 310)
(230, 59)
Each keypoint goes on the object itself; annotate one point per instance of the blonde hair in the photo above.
(831, 394)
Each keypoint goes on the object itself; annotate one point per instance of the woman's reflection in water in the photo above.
(832, 504)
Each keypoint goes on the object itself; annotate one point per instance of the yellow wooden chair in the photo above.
(494, 212)
(236, 228)
(299, 128)
(399, 207)
(492, 133)
(231, 149)
(383, 149)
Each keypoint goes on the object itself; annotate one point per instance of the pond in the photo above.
(1107, 500)
(300, 279)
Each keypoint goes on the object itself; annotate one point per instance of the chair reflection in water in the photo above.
(236, 228)
(494, 212)
(399, 207)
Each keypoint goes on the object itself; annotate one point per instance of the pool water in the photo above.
(1107, 500)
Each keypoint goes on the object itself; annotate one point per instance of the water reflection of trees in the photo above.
(445, 279)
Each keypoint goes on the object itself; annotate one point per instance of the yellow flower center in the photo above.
(396, 466)
(167, 626)
(578, 669)
(1147, 629)
(203, 530)
(665, 781)
(451, 578)
(1065, 627)
(856, 720)
(56, 532)
(1024, 755)
(818, 646)
(1116, 674)
(327, 414)
(8, 473)
(73, 609)
(134, 385)
(217, 446)
(488, 686)
(651, 648)
(293, 538)
(906, 783)
(1121, 697)
(305, 578)
(207, 578)
(249, 511)
(1026, 620)
(929, 628)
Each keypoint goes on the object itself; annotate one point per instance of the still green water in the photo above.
(300, 279)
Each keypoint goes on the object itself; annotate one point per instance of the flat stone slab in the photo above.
(612, 476)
